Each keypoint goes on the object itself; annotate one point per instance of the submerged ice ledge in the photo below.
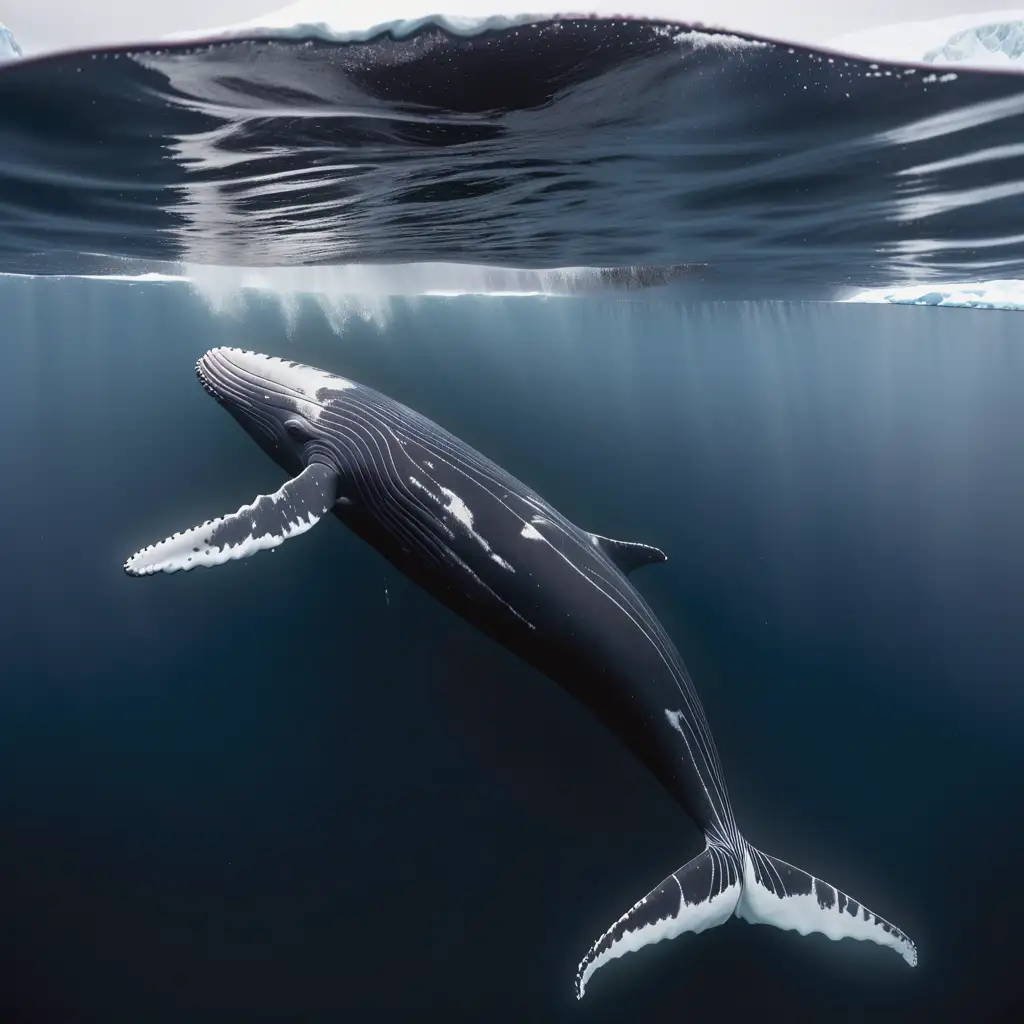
(408, 280)
(1007, 295)
(366, 290)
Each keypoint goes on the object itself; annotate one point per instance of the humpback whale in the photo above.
(560, 597)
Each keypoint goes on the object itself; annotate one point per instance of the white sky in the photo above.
(55, 24)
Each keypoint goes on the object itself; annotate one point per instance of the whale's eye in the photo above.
(298, 430)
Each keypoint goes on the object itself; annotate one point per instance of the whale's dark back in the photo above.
(491, 549)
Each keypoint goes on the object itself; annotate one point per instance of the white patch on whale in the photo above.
(459, 509)
(464, 514)
(420, 486)
(674, 719)
(530, 532)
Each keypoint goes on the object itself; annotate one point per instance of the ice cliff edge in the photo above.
(984, 45)
(990, 39)
(9, 48)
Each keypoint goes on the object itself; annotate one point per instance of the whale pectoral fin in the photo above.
(269, 521)
(779, 894)
(628, 555)
(700, 895)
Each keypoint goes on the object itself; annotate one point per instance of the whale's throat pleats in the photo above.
(270, 520)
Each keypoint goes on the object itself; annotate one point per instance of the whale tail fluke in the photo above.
(760, 889)
(701, 894)
(782, 895)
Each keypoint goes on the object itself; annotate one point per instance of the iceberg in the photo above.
(1007, 295)
(992, 39)
(985, 46)
(9, 48)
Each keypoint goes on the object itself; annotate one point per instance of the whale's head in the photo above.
(279, 402)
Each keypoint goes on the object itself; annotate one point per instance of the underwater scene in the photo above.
(606, 538)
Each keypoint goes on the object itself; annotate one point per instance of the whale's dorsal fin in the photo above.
(628, 555)
(270, 520)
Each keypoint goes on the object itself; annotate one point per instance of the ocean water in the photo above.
(296, 787)
(778, 170)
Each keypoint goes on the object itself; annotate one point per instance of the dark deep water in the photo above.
(296, 788)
